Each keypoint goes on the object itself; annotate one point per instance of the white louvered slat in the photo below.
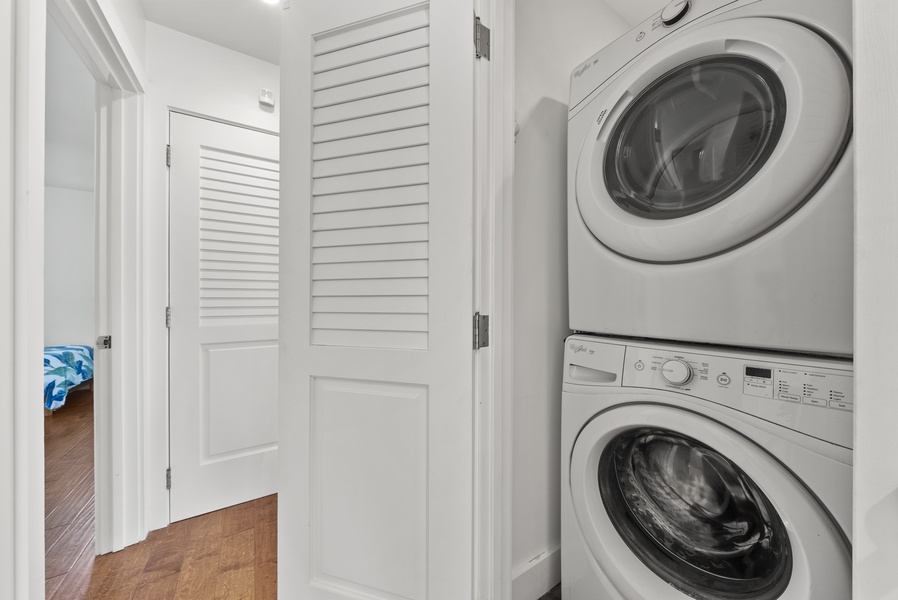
(370, 235)
(214, 269)
(385, 269)
(412, 194)
(363, 253)
(377, 142)
(370, 287)
(370, 304)
(371, 31)
(396, 63)
(218, 224)
(248, 285)
(374, 180)
(375, 217)
(371, 106)
(370, 321)
(241, 160)
(370, 339)
(386, 46)
(209, 256)
(370, 175)
(369, 88)
(375, 161)
(259, 197)
(238, 237)
(229, 166)
(400, 119)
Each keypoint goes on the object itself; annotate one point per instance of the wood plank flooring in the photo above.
(229, 554)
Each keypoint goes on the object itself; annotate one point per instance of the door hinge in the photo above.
(481, 331)
(481, 39)
(168, 478)
(168, 316)
(104, 342)
(168, 155)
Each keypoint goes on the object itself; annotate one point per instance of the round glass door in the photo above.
(677, 503)
(694, 137)
(694, 517)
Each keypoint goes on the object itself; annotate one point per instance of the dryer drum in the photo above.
(693, 517)
(695, 136)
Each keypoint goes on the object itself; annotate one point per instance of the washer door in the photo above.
(713, 138)
(672, 504)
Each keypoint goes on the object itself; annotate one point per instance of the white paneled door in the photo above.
(377, 417)
(224, 196)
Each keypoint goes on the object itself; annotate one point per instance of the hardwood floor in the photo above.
(227, 554)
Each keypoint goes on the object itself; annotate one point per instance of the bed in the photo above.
(65, 367)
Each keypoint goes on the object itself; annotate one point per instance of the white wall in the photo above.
(69, 216)
(127, 20)
(68, 267)
(876, 295)
(196, 77)
(551, 39)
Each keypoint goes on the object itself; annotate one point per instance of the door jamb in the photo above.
(494, 243)
(118, 189)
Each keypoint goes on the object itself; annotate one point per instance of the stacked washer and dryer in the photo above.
(707, 406)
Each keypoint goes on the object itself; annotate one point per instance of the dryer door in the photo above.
(673, 504)
(712, 138)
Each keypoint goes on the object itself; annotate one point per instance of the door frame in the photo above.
(493, 286)
(21, 272)
(118, 461)
(118, 397)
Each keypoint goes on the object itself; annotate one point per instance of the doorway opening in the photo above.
(70, 242)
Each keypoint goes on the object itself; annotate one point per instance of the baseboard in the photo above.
(533, 580)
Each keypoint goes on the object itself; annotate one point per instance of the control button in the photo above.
(677, 372)
(723, 379)
(841, 405)
(639, 366)
(790, 397)
(674, 11)
(814, 401)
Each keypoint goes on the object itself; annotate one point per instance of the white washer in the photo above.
(695, 472)
(710, 187)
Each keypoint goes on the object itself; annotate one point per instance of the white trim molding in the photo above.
(534, 579)
(118, 390)
(21, 271)
(876, 293)
(494, 174)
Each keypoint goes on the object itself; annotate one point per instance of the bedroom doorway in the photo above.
(70, 312)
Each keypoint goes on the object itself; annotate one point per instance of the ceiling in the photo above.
(250, 27)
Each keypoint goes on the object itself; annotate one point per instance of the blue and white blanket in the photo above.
(64, 368)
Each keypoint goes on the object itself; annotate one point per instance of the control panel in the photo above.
(813, 396)
(717, 377)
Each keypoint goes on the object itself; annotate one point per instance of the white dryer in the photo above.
(694, 472)
(710, 187)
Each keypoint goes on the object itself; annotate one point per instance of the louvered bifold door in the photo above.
(370, 184)
(376, 306)
(224, 240)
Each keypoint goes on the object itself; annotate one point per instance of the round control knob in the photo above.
(674, 11)
(677, 372)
